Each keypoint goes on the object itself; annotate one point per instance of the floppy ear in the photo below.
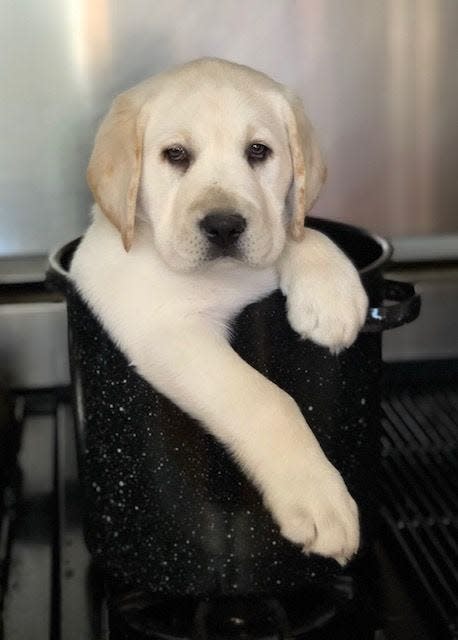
(309, 169)
(115, 165)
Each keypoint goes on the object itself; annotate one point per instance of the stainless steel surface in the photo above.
(31, 552)
(379, 79)
(434, 334)
(33, 344)
(18, 269)
(428, 248)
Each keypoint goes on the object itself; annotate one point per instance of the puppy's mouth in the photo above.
(215, 252)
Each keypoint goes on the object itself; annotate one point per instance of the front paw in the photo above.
(328, 309)
(316, 511)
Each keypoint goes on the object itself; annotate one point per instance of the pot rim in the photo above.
(384, 244)
(55, 257)
(387, 252)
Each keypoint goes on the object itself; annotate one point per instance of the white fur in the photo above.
(171, 315)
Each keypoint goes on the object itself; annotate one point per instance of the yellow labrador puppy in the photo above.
(202, 177)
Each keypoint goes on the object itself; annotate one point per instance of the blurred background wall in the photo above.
(378, 77)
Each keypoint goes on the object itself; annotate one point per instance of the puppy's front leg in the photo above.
(326, 301)
(261, 425)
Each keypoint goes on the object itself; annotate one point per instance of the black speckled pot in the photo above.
(166, 508)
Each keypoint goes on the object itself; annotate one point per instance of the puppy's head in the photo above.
(219, 159)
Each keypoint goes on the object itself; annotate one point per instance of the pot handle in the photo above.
(406, 308)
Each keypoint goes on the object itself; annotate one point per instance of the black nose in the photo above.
(223, 228)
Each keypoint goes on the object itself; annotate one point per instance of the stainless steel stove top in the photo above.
(406, 590)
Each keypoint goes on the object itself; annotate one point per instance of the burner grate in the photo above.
(420, 489)
(48, 590)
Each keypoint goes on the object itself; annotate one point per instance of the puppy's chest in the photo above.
(225, 293)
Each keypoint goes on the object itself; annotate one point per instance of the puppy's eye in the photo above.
(177, 155)
(257, 152)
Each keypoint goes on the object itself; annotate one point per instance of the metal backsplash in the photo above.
(379, 79)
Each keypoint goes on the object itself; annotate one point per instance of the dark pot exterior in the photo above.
(166, 508)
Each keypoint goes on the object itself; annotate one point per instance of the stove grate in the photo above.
(47, 588)
(420, 489)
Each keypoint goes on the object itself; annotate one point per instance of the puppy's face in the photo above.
(219, 160)
(215, 177)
